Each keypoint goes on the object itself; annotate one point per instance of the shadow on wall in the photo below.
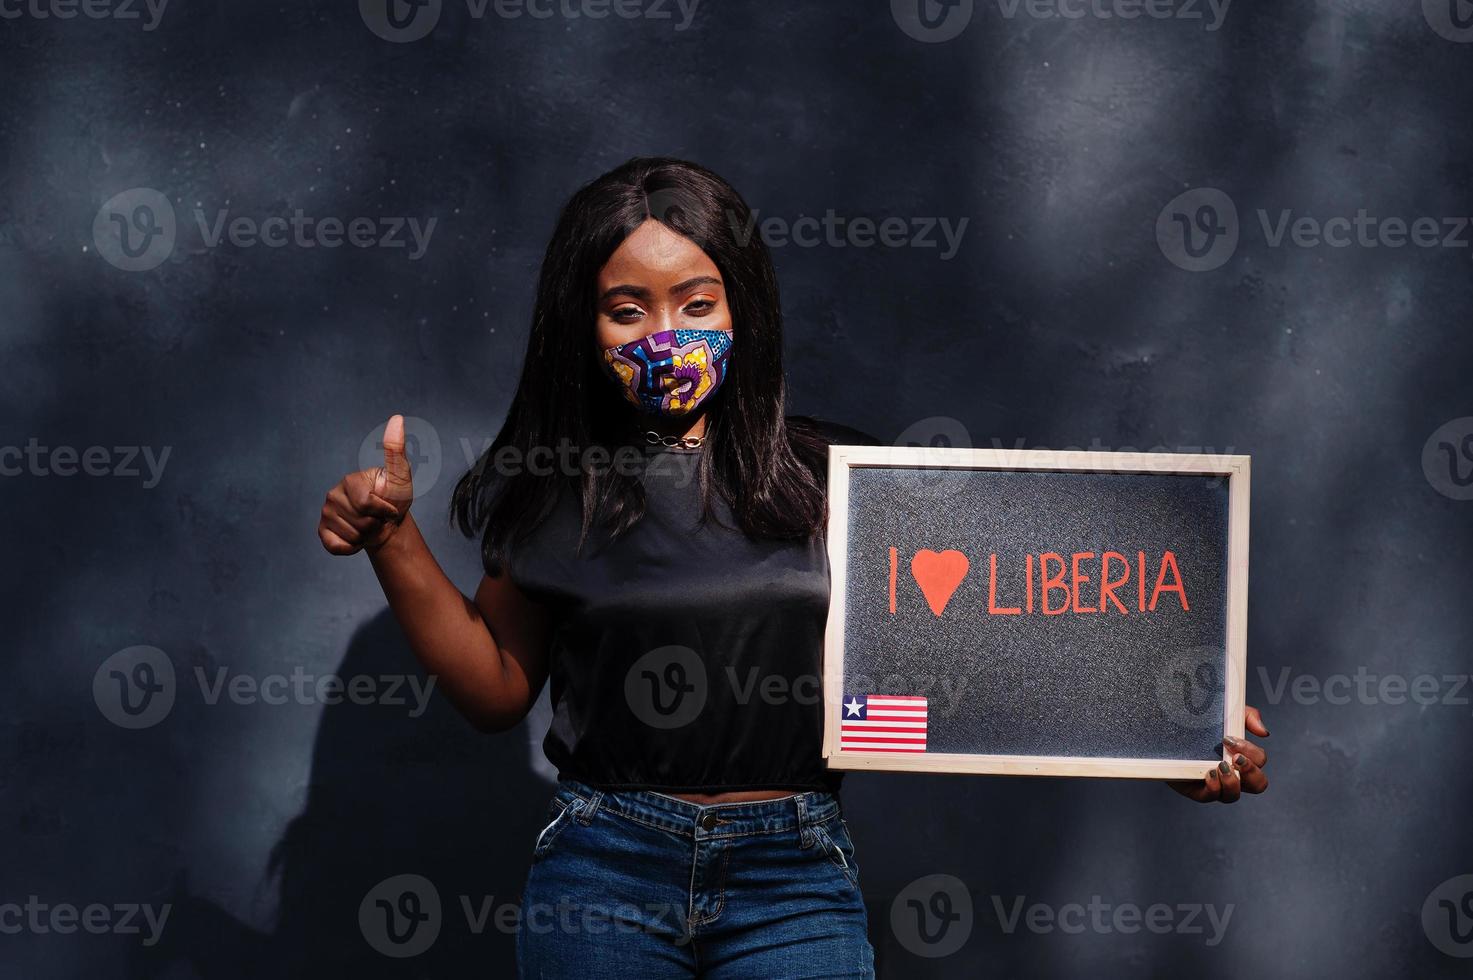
(447, 813)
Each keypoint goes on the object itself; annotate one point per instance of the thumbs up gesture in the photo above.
(365, 509)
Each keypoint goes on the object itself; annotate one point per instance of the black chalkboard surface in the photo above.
(1035, 612)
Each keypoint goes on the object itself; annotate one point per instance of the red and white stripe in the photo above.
(895, 723)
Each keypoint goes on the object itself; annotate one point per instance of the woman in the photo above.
(653, 541)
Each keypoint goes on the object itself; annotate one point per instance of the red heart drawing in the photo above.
(938, 573)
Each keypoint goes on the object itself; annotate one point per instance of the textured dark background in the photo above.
(1059, 321)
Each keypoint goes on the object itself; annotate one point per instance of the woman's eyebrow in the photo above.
(641, 293)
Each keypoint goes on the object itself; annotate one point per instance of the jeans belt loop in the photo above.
(805, 829)
(585, 816)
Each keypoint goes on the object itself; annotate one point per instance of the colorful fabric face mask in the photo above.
(670, 372)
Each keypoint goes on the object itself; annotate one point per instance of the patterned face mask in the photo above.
(670, 372)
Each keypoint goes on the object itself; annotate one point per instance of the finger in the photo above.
(1242, 746)
(1251, 777)
(358, 515)
(1232, 787)
(395, 482)
(364, 502)
(337, 525)
(1253, 721)
(334, 544)
(1202, 790)
(380, 509)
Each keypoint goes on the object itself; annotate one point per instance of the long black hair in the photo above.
(766, 467)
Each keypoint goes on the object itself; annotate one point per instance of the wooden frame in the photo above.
(843, 458)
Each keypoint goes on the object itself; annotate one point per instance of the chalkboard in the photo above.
(1035, 612)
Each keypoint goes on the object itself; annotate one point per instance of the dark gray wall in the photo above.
(1059, 320)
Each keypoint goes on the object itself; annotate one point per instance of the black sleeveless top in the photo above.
(682, 658)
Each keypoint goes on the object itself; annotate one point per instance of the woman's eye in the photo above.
(700, 307)
(627, 313)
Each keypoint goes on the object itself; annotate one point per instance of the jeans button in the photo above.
(707, 820)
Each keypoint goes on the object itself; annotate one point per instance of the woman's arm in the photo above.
(488, 655)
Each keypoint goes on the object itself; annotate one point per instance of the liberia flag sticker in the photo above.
(883, 723)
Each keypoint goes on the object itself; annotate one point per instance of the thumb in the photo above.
(394, 481)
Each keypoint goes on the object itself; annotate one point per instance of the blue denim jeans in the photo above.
(641, 884)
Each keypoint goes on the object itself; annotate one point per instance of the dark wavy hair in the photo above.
(767, 467)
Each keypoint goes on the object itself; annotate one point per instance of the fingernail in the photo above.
(1223, 767)
(1240, 761)
(1230, 740)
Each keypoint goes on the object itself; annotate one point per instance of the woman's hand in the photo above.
(366, 508)
(1226, 783)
